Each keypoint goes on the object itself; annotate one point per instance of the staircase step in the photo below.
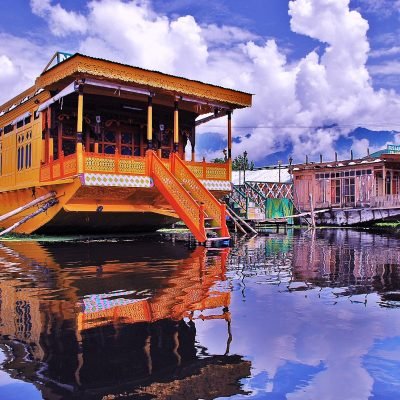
(213, 228)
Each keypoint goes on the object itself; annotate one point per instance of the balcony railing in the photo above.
(65, 167)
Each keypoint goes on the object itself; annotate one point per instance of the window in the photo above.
(8, 129)
(349, 190)
(28, 155)
(20, 158)
(335, 191)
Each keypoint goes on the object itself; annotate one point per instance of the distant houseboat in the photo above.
(106, 143)
(351, 191)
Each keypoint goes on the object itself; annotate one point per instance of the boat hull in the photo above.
(86, 209)
(73, 222)
(356, 216)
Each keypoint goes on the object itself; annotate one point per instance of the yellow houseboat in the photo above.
(101, 147)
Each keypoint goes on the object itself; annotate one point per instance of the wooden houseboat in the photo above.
(103, 144)
(351, 191)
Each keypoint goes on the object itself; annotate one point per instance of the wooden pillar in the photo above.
(229, 134)
(193, 143)
(79, 124)
(150, 122)
(176, 126)
(391, 182)
(47, 134)
(79, 129)
(59, 140)
(384, 180)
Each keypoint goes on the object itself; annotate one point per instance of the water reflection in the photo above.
(322, 326)
(283, 316)
(97, 322)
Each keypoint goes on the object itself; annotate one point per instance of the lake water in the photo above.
(297, 316)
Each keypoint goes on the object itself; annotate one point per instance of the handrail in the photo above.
(238, 191)
(239, 198)
(183, 203)
(212, 206)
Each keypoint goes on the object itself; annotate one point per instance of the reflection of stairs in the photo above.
(202, 213)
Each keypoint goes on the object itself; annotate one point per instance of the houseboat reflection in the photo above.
(115, 320)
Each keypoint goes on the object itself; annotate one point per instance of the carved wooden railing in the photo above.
(63, 167)
(213, 208)
(183, 203)
(114, 164)
(120, 164)
(209, 171)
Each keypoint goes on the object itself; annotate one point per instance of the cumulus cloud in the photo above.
(306, 105)
(61, 22)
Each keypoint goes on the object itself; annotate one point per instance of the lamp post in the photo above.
(279, 171)
(244, 166)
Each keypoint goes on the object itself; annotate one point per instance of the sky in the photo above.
(325, 74)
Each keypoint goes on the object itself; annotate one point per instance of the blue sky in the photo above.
(311, 64)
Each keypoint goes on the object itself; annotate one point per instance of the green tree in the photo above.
(218, 160)
(241, 163)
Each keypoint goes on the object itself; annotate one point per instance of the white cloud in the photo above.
(387, 68)
(293, 100)
(384, 8)
(61, 22)
(21, 61)
(391, 51)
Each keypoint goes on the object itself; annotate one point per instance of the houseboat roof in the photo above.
(79, 66)
(391, 153)
(265, 175)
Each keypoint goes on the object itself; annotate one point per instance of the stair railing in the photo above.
(213, 208)
(239, 198)
(183, 203)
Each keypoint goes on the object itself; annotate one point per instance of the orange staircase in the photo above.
(202, 213)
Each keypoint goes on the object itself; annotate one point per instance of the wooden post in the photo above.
(193, 142)
(47, 134)
(229, 134)
(59, 144)
(149, 122)
(79, 129)
(51, 148)
(79, 157)
(176, 126)
(79, 124)
(312, 211)
(384, 180)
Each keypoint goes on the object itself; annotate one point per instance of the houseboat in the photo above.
(103, 144)
(350, 192)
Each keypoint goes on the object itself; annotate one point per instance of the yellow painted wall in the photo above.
(10, 177)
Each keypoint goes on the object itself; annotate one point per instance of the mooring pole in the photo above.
(312, 211)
